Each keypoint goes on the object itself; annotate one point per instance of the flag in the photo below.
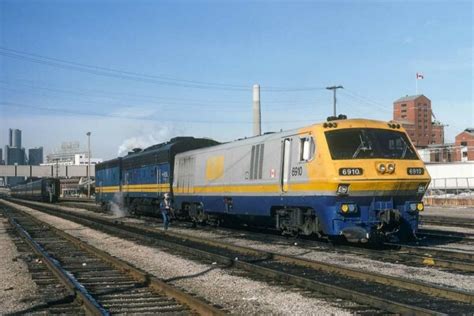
(419, 76)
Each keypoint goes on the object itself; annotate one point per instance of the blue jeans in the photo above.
(166, 219)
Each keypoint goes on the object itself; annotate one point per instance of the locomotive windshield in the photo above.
(367, 143)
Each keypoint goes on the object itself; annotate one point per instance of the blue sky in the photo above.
(187, 67)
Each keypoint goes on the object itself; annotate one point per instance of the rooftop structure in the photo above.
(415, 114)
(70, 154)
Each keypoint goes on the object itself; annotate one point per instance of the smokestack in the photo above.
(257, 122)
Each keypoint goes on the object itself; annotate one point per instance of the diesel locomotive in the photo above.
(139, 180)
(353, 178)
(44, 190)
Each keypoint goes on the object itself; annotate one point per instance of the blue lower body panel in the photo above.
(327, 208)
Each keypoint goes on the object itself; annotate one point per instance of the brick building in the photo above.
(414, 113)
(464, 145)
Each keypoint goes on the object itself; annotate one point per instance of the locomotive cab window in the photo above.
(306, 148)
(369, 143)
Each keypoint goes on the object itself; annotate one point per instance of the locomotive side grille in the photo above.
(256, 161)
(260, 161)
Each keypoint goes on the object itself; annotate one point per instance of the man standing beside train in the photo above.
(166, 210)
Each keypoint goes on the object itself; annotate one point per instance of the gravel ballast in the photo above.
(423, 274)
(18, 292)
(236, 294)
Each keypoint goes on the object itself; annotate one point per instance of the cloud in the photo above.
(134, 112)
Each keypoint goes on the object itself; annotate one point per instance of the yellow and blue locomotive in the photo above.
(358, 179)
(353, 178)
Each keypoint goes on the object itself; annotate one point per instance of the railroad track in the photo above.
(100, 283)
(87, 206)
(53, 296)
(434, 236)
(447, 221)
(387, 293)
(454, 235)
(78, 200)
(408, 254)
(419, 254)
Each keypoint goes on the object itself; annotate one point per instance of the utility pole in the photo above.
(334, 88)
(89, 164)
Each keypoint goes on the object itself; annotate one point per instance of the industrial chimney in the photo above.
(257, 122)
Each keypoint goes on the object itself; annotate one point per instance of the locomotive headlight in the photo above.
(390, 168)
(342, 189)
(417, 207)
(344, 208)
(381, 168)
(348, 208)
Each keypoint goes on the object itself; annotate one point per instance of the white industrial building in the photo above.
(453, 177)
(70, 154)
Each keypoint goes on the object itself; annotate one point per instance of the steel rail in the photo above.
(91, 306)
(447, 221)
(355, 296)
(86, 206)
(426, 256)
(382, 303)
(153, 282)
(159, 286)
(452, 294)
(434, 252)
(458, 295)
(80, 200)
(447, 235)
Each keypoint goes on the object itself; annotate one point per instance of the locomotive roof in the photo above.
(159, 152)
(172, 145)
(342, 123)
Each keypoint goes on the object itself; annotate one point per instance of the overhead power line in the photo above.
(184, 102)
(366, 100)
(165, 106)
(139, 77)
(57, 111)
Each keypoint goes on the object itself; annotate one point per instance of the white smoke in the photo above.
(157, 136)
(116, 205)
